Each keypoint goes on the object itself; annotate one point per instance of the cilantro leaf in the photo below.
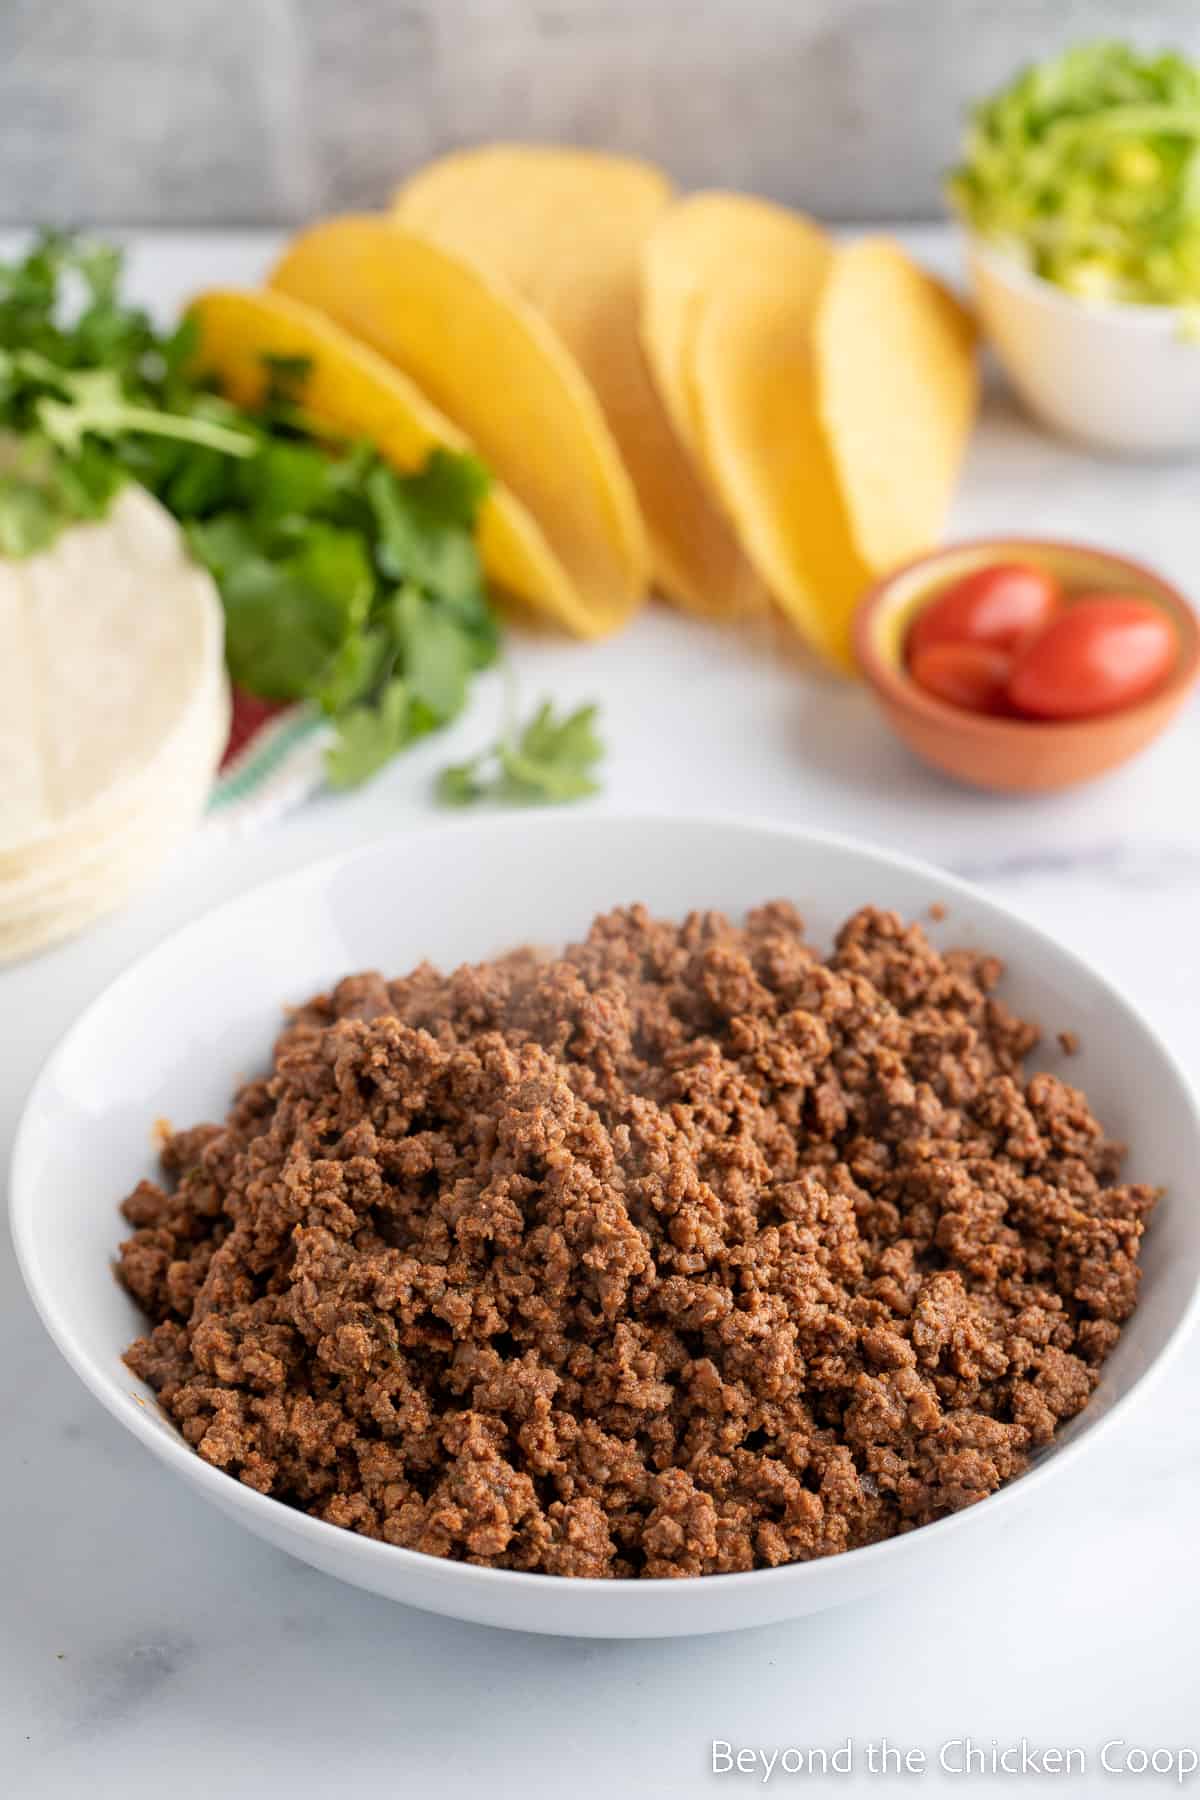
(286, 376)
(552, 759)
(548, 762)
(436, 654)
(285, 620)
(221, 543)
(179, 348)
(460, 784)
(369, 736)
(39, 495)
(451, 487)
(86, 482)
(30, 516)
(95, 403)
(425, 526)
(356, 670)
(190, 480)
(285, 479)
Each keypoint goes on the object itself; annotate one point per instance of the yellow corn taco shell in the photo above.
(755, 388)
(731, 286)
(490, 363)
(566, 229)
(697, 251)
(357, 394)
(899, 388)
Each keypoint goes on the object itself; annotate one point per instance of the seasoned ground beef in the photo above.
(689, 1251)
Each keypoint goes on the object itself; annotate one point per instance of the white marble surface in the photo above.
(148, 1646)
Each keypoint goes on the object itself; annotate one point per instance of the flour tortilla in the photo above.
(111, 639)
(115, 639)
(52, 857)
(44, 880)
(23, 804)
(129, 860)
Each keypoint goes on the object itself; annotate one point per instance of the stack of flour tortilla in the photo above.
(116, 717)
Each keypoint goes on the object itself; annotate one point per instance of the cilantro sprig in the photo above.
(547, 760)
(344, 583)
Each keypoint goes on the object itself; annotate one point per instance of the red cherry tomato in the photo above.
(1102, 653)
(1003, 606)
(973, 676)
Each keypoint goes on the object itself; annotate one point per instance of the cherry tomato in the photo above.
(1102, 653)
(973, 676)
(1003, 606)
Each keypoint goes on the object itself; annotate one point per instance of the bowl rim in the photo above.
(169, 1447)
(1161, 316)
(894, 683)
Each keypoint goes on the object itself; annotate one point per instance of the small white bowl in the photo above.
(173, 1035)
(1118, 377)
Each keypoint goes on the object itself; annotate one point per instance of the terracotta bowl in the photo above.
(1015, 755)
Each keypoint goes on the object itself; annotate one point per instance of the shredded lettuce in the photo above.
(1087, 168)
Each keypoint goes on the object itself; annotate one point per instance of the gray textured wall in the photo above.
(257, 111)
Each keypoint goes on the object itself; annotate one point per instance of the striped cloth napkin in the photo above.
(272, 763)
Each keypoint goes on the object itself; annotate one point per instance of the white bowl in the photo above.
(1119, 377)
(175, 1032)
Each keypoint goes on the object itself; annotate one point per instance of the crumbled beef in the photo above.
(689, 1251)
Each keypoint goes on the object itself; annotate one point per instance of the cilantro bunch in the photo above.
(349, 585)
(344, 583)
